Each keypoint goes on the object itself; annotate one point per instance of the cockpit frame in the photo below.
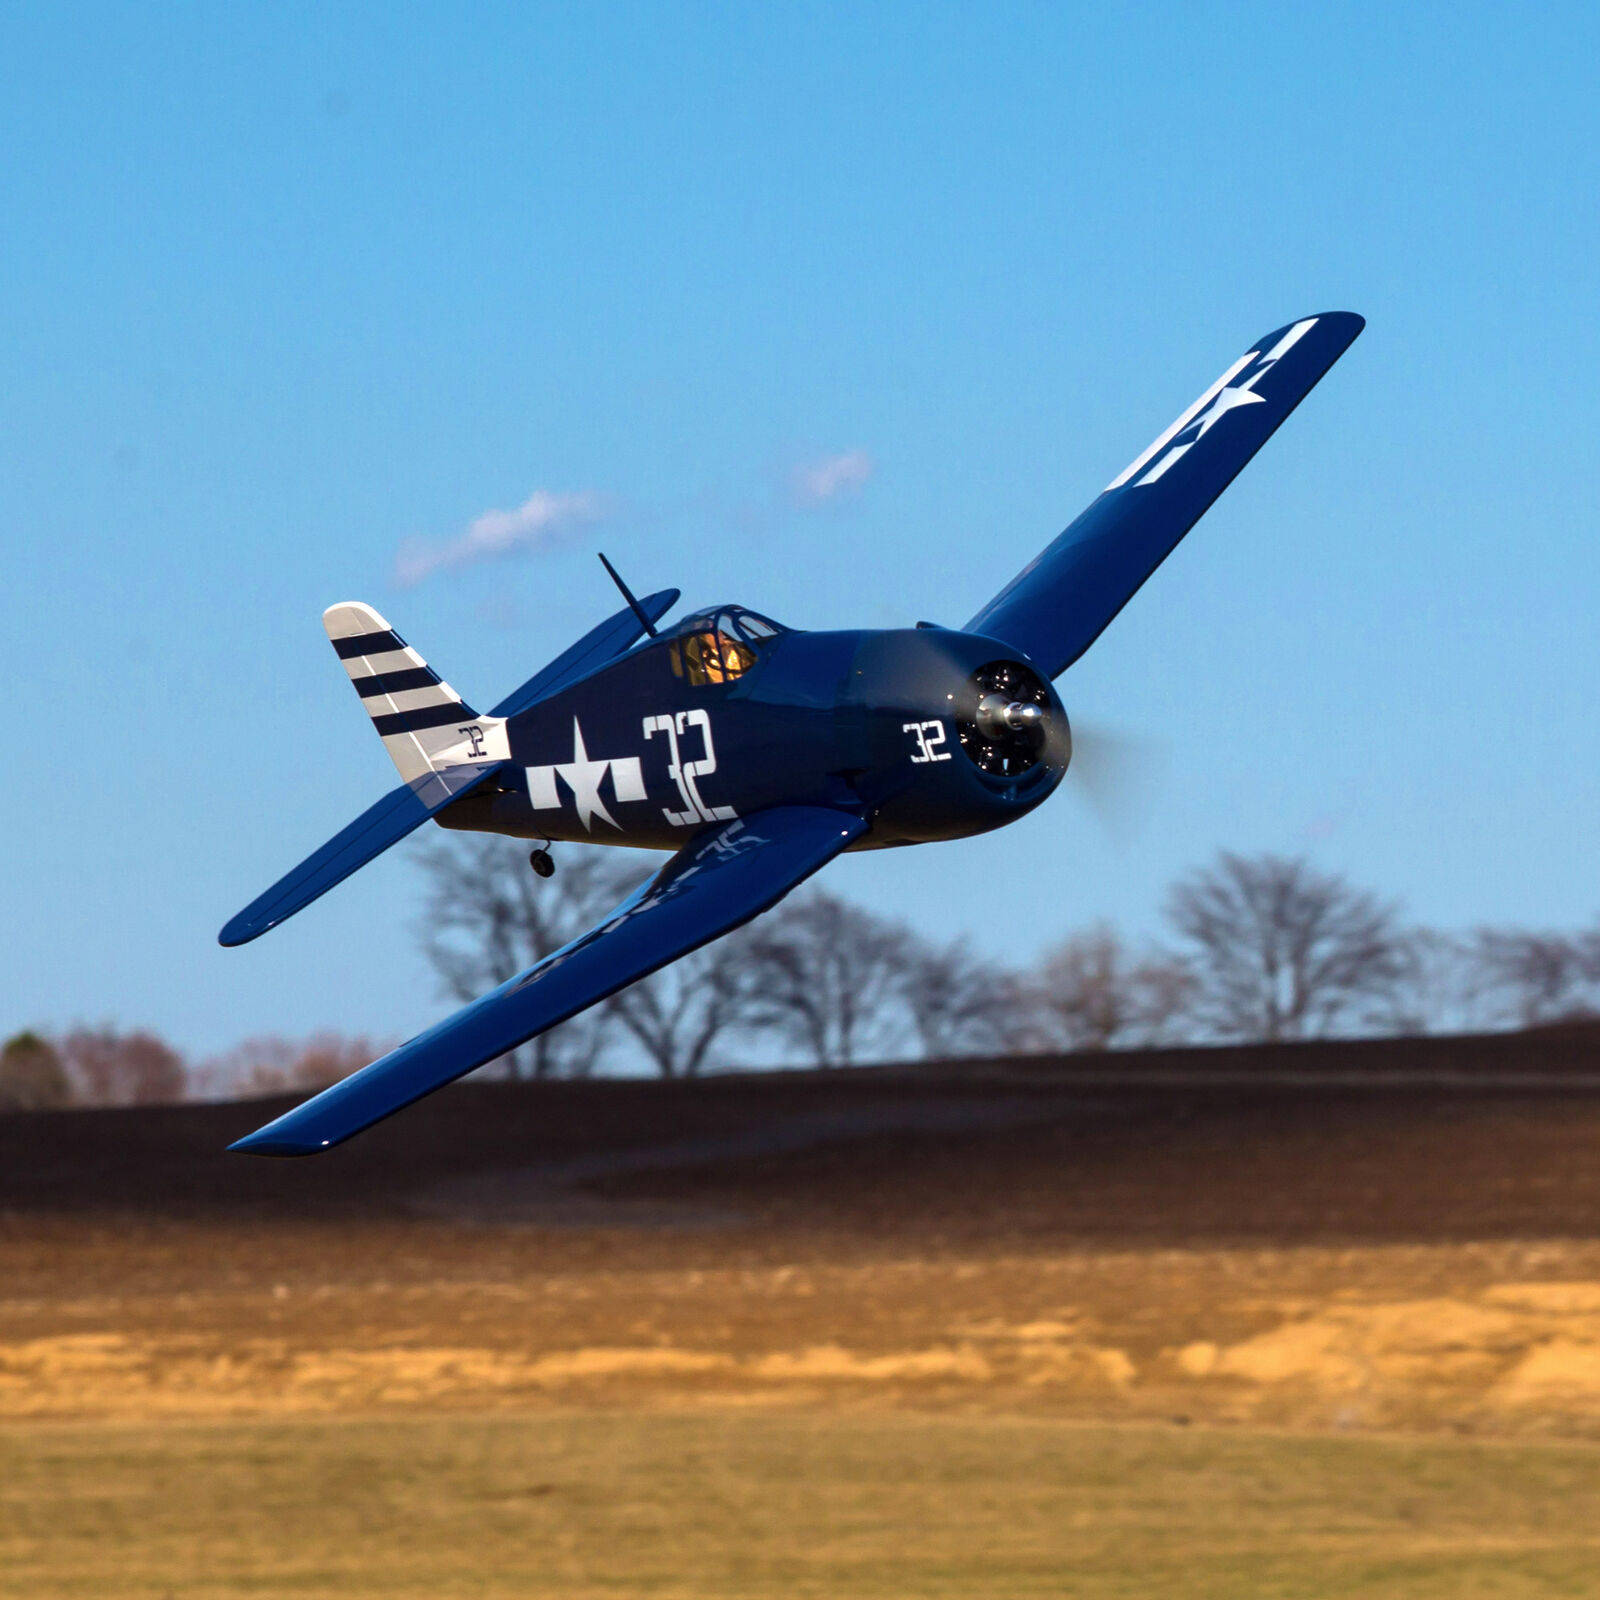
(720, 645)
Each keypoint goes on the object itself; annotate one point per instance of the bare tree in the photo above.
(1281, 951)
(1442, 989)
(1537, 977)
(678, 1014)
(271, 1064)
(830, 978)
(1092, 994)
(1164, 989)
(1082, 999)
(108, 1068)
(960, 1004)
(32, 1077)
(488, 918)
(1589, 953)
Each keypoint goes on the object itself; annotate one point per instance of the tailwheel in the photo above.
(541, 862)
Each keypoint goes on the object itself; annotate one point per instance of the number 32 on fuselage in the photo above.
(731, 713)
(754, 753)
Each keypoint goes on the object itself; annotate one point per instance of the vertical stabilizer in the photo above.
(425, 725)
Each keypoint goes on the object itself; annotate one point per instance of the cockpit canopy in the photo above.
(721, 645)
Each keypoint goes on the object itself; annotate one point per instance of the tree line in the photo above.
(109, 1066)
(1255, 948)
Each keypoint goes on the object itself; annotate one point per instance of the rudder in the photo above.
(424, 724)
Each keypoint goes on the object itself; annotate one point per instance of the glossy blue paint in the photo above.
(819, 719)
(399, 813)
(728, 874)
(406, 808)
(1061, 602)
(757, 753)
(589, 654)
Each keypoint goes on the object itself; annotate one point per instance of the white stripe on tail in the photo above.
(425, 725)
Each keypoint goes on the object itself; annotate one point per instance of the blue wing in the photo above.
(1059, 604)
(399, 812)
(405, 809)
(720, 880)
(594, 649)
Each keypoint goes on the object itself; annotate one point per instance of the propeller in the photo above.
(1006, 727)
(1115, 774)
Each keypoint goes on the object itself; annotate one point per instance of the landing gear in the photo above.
(541, 863)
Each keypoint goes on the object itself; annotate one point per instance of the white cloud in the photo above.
(544, 521)
(814, 483)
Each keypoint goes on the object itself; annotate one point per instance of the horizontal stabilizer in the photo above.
(720, 880)
(1059, 604)
(400, 812)
(594, 649)
(425, 725)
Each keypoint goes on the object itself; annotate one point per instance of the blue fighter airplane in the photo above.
(754, 752)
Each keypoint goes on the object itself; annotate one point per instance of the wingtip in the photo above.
(1351, 319)
(251, 923)
(263, 1142)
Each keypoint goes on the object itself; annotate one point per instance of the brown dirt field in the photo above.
(1231, 1238)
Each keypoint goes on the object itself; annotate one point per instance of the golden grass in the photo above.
(727, 1502)
(1499, 1340)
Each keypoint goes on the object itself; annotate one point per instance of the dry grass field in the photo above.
(836, 1503)
(1258, 1330)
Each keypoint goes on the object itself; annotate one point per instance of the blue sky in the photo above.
(283, 288)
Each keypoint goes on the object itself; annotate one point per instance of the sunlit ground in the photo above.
(761, 1503)
(1265, 1348)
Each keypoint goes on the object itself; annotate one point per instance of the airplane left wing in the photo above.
(1058, 605)
(718, 881)
(400, 812)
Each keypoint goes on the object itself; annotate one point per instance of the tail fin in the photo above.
(439, 755)
(425, 725)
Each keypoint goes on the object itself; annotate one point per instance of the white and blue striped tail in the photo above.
(425, 725)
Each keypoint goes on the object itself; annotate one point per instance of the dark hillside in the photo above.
(1468, 1137)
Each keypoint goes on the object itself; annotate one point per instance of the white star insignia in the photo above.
(1226, 399)
(583, 777)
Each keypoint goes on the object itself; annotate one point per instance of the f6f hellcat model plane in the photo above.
(755, 753)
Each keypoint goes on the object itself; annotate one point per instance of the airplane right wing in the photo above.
(721, 879)
(594, 649)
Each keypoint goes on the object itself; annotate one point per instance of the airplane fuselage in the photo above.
(900, 724)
